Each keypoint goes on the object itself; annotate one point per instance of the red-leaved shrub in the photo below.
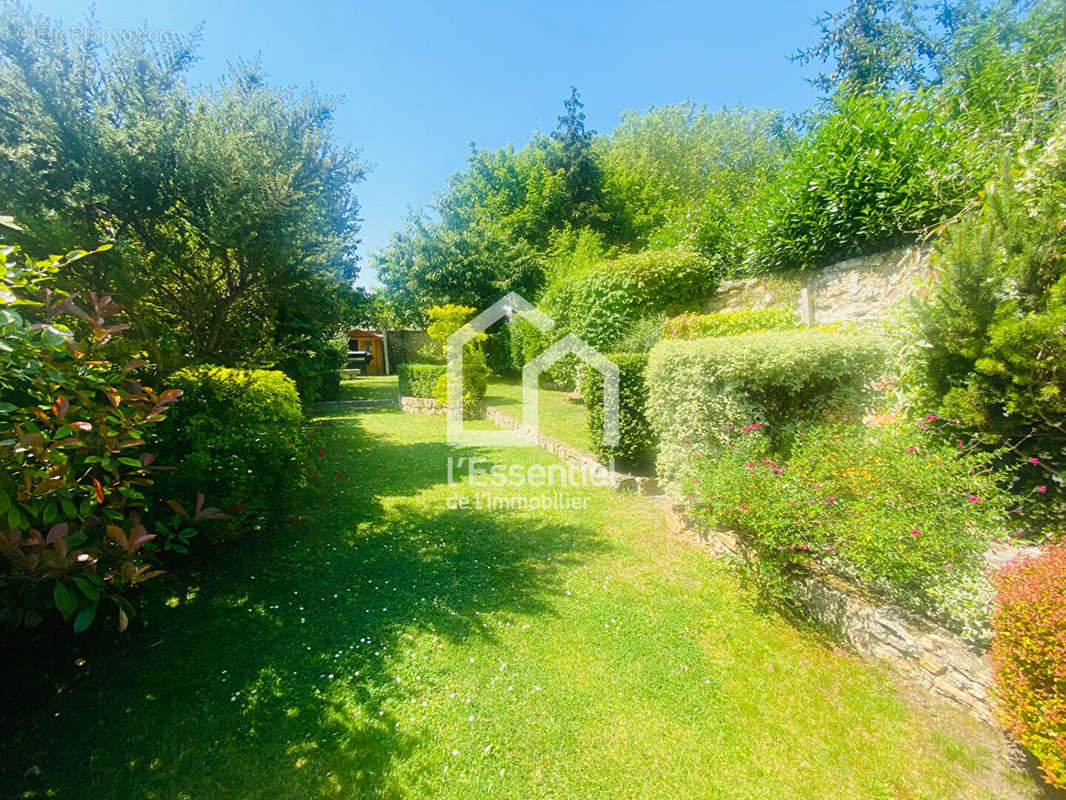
(1029, 657)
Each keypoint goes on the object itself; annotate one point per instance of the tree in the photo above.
(221, 202)
(877, 45)
(574, 159)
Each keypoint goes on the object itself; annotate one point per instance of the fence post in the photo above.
(806, 308)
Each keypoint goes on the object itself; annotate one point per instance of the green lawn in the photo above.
(384, 645)
(558, 415)
(371, 387)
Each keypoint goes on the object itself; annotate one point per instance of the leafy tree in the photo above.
(878, 45)
(220, 201)
(682, 172)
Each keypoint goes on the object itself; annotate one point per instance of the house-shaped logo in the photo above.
(509, 306)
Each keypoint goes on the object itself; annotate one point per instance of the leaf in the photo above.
(99, 491)
(179, 509)
(58, 531)
(64, 599)
(87, 586)
(119, 535)
(85, 618)
(123, 620)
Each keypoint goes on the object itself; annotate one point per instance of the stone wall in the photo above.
(861, 290)
(924, 652)
(421, 405)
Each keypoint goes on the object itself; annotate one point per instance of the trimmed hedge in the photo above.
(419, 380)
(730, 323)
(236, 435)
(600, 303)
(1029, 657)
(636, 442)
(697, 389)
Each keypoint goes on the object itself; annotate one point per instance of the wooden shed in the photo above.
(369, 342)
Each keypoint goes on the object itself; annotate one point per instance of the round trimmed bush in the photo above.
(236, 435)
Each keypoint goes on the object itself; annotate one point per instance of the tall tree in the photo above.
(574, 159)
(222, 202)
(878, 45)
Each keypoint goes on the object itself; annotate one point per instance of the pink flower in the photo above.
(830, 499)
(916, 532)
(1034, 461)
(925, 424)
(960, 445)
(974, 498)
(1042, 489)
(912, 449)
(930, 417)
(829, 547)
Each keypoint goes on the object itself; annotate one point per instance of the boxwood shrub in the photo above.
(1029, 657)
(783, 379)
(730, 323)
(419, 380)
(636, 442)
(236, 435)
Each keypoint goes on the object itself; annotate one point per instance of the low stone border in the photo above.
(421, 405)
(928, 654)
(579, 459)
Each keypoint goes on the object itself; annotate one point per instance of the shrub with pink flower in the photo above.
(855, 501)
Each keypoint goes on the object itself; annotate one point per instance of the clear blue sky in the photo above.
(419, 81)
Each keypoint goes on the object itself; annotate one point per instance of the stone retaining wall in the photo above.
(924, 652)
(421, 405)
(861, 290)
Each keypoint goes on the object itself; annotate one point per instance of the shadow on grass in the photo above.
(272, 675)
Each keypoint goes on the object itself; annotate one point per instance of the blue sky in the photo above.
(419, 81)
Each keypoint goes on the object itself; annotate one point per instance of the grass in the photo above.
(386, 644)
(370, 387)
(558, 415)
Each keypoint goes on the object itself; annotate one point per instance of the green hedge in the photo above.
(236, 435)
(601, 302)
(419, 380)
(698, 389)
(730, 323)
(874, 171)
(636, 442)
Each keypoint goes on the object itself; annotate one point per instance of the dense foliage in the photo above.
(993, 330)
(75, 519)
(237, 436)
(231, 208)
(897, 509)
(698, 389)
(730, 323)
(419, 380)
(602, 301)
(1029, 657)
(873, 173)
(636, 442)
